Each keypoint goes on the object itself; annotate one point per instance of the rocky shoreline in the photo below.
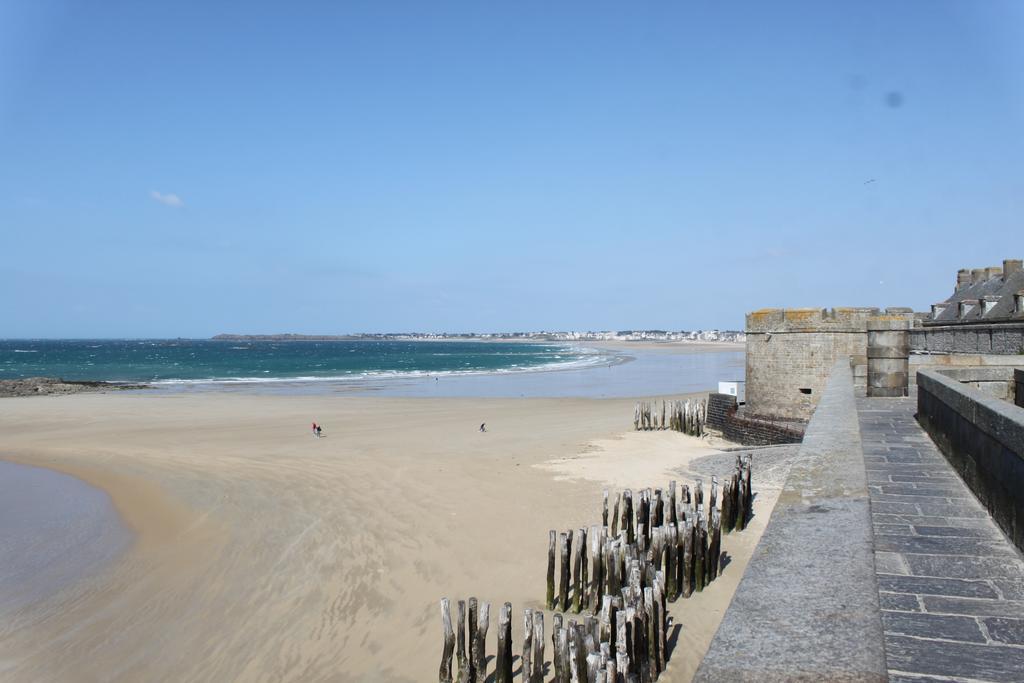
(43, 386)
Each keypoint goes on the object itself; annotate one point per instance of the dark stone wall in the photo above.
(1018, 384)
(995, 338)
(983, 439)
(724, 416)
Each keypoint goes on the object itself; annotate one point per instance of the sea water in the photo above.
(170, 361)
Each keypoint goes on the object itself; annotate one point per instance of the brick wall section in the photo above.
(983, 439)
(724, 417)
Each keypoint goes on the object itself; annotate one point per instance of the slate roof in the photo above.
(998, 288)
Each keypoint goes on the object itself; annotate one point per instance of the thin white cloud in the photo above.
(169, 199)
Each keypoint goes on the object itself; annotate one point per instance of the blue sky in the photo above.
(179, 169)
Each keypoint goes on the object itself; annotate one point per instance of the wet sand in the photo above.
(262, 553)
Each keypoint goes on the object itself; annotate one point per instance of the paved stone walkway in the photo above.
(951, 587)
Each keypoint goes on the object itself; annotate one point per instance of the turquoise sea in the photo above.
(178, 361)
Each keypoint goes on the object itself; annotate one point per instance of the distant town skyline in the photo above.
(193, 168)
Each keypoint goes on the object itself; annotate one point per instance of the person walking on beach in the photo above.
(314, 430)
(483, 426)
(319, 428)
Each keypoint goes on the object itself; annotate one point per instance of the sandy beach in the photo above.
(262, 553)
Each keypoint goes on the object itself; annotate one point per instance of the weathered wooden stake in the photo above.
(503, 672)
(551, 570)
(480, 651)
(462, 658)
(537, 676)
(471, 634)
(564, 576)
(527, 657)
(445, 674)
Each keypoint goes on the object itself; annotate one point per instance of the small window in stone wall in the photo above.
(805, 390)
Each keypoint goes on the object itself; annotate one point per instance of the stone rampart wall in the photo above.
(790, 353)
(983, 439)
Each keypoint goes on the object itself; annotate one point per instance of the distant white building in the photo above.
(733, 388)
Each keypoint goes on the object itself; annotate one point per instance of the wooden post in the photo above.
(651, 633)
(672, 502)
(687, 568)
(700, 545)
(671, 559)
(594, 594)
(585, 574)
(471, 633)
(527, 657)
(503, 672)
(538, 649)
(480, 651)
(564, 577)
(615, 518)
(461, 633)
(579, 567)
(627, 515)
(716, 547)
(551, 570)
(445, 674)
(564, 655)
(556, 651)
(604, 509)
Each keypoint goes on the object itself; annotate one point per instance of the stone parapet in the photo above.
(982, 437)
(807, 606)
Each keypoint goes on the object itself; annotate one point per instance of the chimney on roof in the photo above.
(1011, 266)
(963, 278)
(993, 271)
(977, 275)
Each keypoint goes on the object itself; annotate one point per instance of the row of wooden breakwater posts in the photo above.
(661, 550)
(680, 416)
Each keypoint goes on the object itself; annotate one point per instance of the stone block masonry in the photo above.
(982, 437)
(790, 353)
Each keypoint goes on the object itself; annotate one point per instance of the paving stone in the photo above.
(925, 625)
(910, 499)
(916, 489)
(1010, 631)
(1011, 590)
(972, 606)
(952, 510)
(895, 508)
(895, 529)
(890, 563)
(944, 658)
(988, 533)
(899, 601)
(923, 478)
(942, 545)
(965, 567)
(935, 586)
